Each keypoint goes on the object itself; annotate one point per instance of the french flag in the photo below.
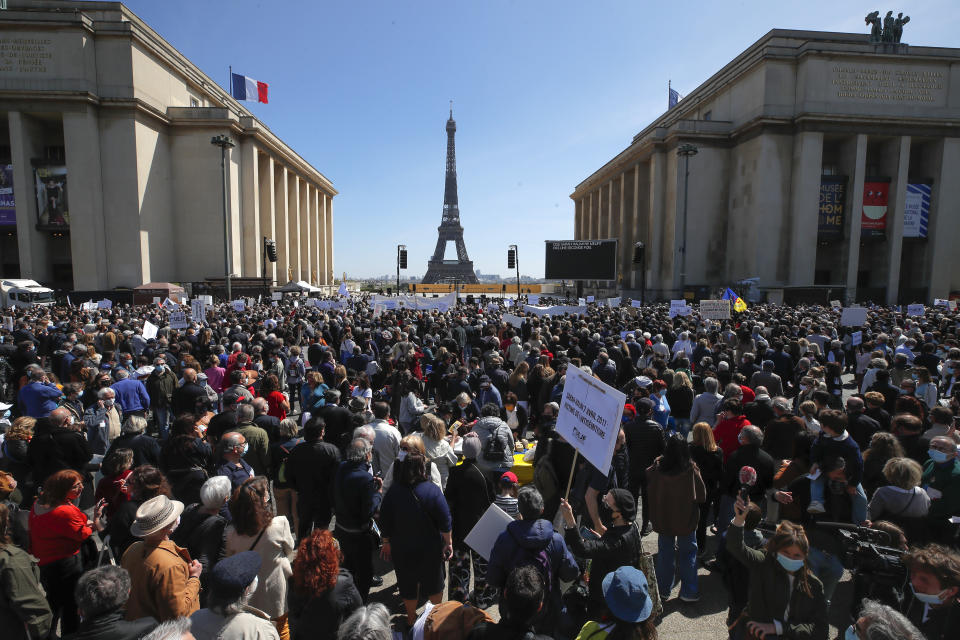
(246, 88)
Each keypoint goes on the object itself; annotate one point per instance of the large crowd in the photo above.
(257, 474)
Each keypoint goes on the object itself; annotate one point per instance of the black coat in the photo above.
(112, 626)
(320, 617)
(146, 449)
(339, 424)
(861, 428)
(750, 455)
(310, 469)
(469, 494)
(55, 449)
(645, 442)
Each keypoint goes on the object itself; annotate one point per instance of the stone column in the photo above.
(268, 220)
(293, 223)
(26, 142)
(635, 225)
(624, 235)
(322, 240)
(330, 265)
(804, 206)
(304, 231)
(944, 227)
(577, 218)
(283, 248)
(317, 236)
(854, 213)
(657, 214)
(251, 238)
(81, 139)
(591, 227)
(897, 202)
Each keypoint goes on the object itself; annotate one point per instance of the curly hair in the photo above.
(317, 564)
(21, 429)
(147, 482)
(58, 486)
(941, 561)
(249, 508)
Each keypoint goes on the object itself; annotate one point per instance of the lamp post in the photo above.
(400, 249)
(685, 151)
(516, 263)
(224, 142)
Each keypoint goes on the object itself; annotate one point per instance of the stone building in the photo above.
(825, 165)
(107, 172)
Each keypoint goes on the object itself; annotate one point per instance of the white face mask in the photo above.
(253, 587)
(401, 455)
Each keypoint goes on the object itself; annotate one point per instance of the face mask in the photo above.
(252, 589)
(851, 633)
(401, 455)
(80, 395)
(789, 564)
(606, 514)
(246, 447)
(176, 524)
(510, 407)
(108, 402)
(927, 598)
(938, 457)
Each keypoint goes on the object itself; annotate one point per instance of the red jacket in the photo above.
(57, 533)
(725, 433)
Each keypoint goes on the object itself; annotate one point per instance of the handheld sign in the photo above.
(915, 310)
(484, 534)
(276, 295)
(590, 298)
(533, 299)
(589, 417)
(149, 330)
(835, 304)
(8, 323)
(636, 304)
(853, 317)
(715, 309)
(198, 310)
(581, 302)
(105, 304)
(613, 303)
(178, 320)
(515, 321)
(856, 338)
(239, 305)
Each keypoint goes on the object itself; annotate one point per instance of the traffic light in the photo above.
(511, 258)
(403, 258)
(638, 250)
(271, 246)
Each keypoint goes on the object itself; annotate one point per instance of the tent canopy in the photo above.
(299, 286)
(160, 286)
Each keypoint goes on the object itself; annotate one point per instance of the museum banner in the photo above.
(873, 220)
(916, 211)
(833, 196)
(8, 209)
(53, 209)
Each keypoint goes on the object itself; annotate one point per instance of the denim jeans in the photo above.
(161, 417)
(725, 512)
(828, 568)
(858, 507)
(679, 551)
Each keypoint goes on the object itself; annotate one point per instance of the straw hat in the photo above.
(155, 514)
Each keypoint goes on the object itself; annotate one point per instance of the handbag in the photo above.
(644, 562)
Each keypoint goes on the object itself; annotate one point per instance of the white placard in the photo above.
(590, 298)
(915, 310)
(443, 307)
(680, 308)
(513, 320)
(613, 303)
(484, 534)
(156, 301)
(856, 338)
(533, 299)
(508, 302)
(390, 304)
(715, 309)
(276, 295)
(589, 418)
(207, 300)
(105, 304)
(636, 304)
(198, 310)
(940, 302)
(178, 320)
(239, 305)
(853, 317)
(88, 306)
(8, 323)
(149, 330)
(581, 302)
(378, 308)
(835, 304)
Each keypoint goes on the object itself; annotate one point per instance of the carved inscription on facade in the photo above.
(859, 82)
(25, 55)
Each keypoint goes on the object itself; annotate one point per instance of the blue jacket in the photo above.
(37, 399)
(131, 395)
(825, 447)
(534, 536)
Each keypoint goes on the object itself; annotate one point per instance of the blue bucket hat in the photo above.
(626, 594)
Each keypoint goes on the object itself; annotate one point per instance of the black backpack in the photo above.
(495, 448)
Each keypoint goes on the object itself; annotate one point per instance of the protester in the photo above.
(202, 525)
(228, 614)
(520, 603)
(101, 595)
(357, 497)
(23, 603)
(628, 609)
(322, 593)
(931, 601)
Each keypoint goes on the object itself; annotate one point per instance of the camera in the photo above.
(866, 552)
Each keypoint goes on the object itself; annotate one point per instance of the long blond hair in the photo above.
(703, 436)
(789, 534)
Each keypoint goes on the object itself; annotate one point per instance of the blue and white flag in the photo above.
(916, 210)
(673, 98)
(343, 289)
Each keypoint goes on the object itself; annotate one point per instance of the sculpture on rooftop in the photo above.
(887, 29)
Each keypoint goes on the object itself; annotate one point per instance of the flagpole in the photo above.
(668, 93)
(230, 83)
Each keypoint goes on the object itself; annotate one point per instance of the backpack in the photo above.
(538, 559)
(495, 448)
(282, 471)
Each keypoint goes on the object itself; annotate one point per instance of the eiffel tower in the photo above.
(461, 269)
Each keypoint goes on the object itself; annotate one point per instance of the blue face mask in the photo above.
(246, 447)
(938, 457)
(851, 633)
(789, 564)
(927, 598)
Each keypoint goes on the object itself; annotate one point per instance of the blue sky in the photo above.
(544, 94)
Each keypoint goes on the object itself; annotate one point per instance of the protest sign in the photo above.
(178, 320)
(484, 534)
(856, 338)
(581, 302)
(8, 323)
(239, 305)
(170, 305)
(207, 300)
(156, 301)
(533, 299)
(343, 289)
(149, 330)
(443, 307)
(853, 317)
(105, 304)
(915, 310)
(636, 304)
(613, 303)
(589, 417)
(680, 308)
(276, 295)
(508, 302)
(198, 310)
(940, 302)
(513, 320)
(715, 309)
(590, 298)
(835, 304)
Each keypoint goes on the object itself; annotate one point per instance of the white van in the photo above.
(24, 293)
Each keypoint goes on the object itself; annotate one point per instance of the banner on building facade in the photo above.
(833, 198)
(873, 219)
(916, 210)
(53, 207)
(8, 209)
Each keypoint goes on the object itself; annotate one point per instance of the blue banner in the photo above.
(833, 197)
(916, 211)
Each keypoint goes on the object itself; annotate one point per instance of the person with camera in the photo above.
(785, 598)
(931, 602)
(941, 479)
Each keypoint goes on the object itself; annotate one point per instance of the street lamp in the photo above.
(224, 142)
(685, 150)
(514, 256)
(401, 262)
